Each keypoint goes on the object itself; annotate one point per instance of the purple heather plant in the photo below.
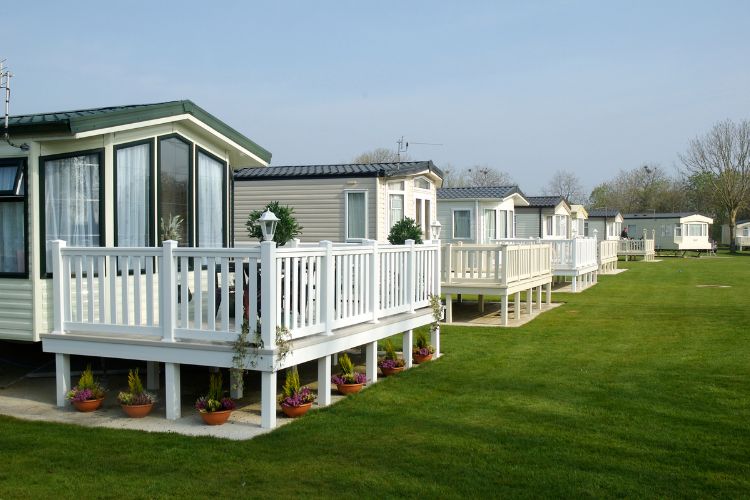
(206, 405)
(424, 351)
(303, 396)
(390, 364)
(343, 379)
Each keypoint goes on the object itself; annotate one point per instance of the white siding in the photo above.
(445, 216)
(16, 305)
(527, 222)
(318, 204)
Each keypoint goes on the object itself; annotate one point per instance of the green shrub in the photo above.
(405, 229)
(286, 229)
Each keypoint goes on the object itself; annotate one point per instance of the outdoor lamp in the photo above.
(435, 229)
(268, 223)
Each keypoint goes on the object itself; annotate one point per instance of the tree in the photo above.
(380, 155)
(723, 156)
(643, 189)
(482, 175)
(286, 229)
(568, 185)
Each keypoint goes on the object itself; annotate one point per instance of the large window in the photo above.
(490, 224)
(175, 158)
(356, 215)
(133, 178)
(12, 218)
(697, 230)
(72, 204)
(461, 224)
(211, 190)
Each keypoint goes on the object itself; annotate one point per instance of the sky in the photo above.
(528, 88)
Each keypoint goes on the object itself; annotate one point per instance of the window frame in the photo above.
(152, 225)
(494, 219)
(347, 237)
(453, 223)
(189, 223)
(196, 211)
(43, 212)
(15, 197)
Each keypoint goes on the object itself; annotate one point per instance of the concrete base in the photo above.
(467, 314)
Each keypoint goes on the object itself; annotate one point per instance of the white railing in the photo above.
(206, 294)
(636, 247)
(608, 251)
(494, 264)
(567, 254)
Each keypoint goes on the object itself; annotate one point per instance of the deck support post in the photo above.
(481, 303)
(406, 343)
(574, 284)
(268, 400)
(62, 377)
(504, 310)
(549, 293)
(172, 391)
(529, 301)
(152, 375)
(235, 386)
(517, 305)
(448, 308)
(371, 362)
(435, 340)
(539, 296)
(324, 381)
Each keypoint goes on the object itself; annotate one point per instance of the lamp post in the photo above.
(268, 221)
(435, 228)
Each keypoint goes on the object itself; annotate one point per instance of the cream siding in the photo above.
(319, 204)
(16, 304)
(410, 196)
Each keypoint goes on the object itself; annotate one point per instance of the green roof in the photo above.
(85, 120)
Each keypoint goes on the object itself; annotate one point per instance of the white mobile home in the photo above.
(546, 217)
(106, 177)
(347, 202)
(478, 214)
(671, 231)
(606, 224)
(742, 234)
(578, 218)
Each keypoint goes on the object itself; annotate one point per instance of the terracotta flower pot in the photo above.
(296, 411)
(137, 411)
(88, 405)
(421, 359)
(215, 417)
(390, 371)
(349, 388)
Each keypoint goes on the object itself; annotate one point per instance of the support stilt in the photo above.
(324, 381)
(172, 400)
(62, 377)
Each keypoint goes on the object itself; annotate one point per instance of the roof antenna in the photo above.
(403, 147)
(5, 76)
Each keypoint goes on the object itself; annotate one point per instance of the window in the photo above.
(697, 229)
(133, 179)
(586, 228)
(13, 218)
(677, 230)
(549, 225)
(395, 202)
(356, 214)
(490, 224)
(461, 224)
(71, 201)
(562, 225)
(502, 224)
(211, 213)
(175, 159)
(421, 183)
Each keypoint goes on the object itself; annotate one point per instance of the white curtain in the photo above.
(397, 208)
(210, 202)
(502, 229)
(490, 221)
(8, 178)
(11, 238)
(356, 215)
(133, 174)
(71, 201)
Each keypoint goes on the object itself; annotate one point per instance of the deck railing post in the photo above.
(449, 263)
(61, 300)
(574, 253)
(504, 265)
(328, 293)
(374, 291)
(167, 290)
(268, 286)
(410, 274)
(438, 269)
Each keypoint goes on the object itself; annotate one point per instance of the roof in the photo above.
(545, 201)
(84, 120)
(610, 212)
(660, 215)
(477, 193)
(340, 170)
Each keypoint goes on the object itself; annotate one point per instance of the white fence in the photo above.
(205, 294)
(608, 251)
(636, 247)
(494, 264)
(567, 254)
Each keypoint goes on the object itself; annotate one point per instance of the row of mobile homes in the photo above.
(343, 203)
(108, 177)
(546, 217)
(741, 237)
(679, 232)
(478, 215)
(604, 224)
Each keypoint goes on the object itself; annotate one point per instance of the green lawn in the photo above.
(639, 386)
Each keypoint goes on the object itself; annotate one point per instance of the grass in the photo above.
(639, 386)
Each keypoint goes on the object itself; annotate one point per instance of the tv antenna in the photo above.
(5, 76)
(403, 146)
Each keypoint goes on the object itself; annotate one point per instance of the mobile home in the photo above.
(671, 231)
(546, 217)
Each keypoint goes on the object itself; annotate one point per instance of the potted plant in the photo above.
(422, 350)
(214, 408)
(88, 395)
(348, 381)
(391, 363)
(295, 400)
(136, 402)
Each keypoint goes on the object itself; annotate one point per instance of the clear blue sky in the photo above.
(524, 87)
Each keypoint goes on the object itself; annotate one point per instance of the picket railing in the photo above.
(494, 264)
(607, 251)
(567, 254)
(636, 247)
(207, 294)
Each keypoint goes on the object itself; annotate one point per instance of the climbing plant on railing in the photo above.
(241, 348)
(437, 312)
